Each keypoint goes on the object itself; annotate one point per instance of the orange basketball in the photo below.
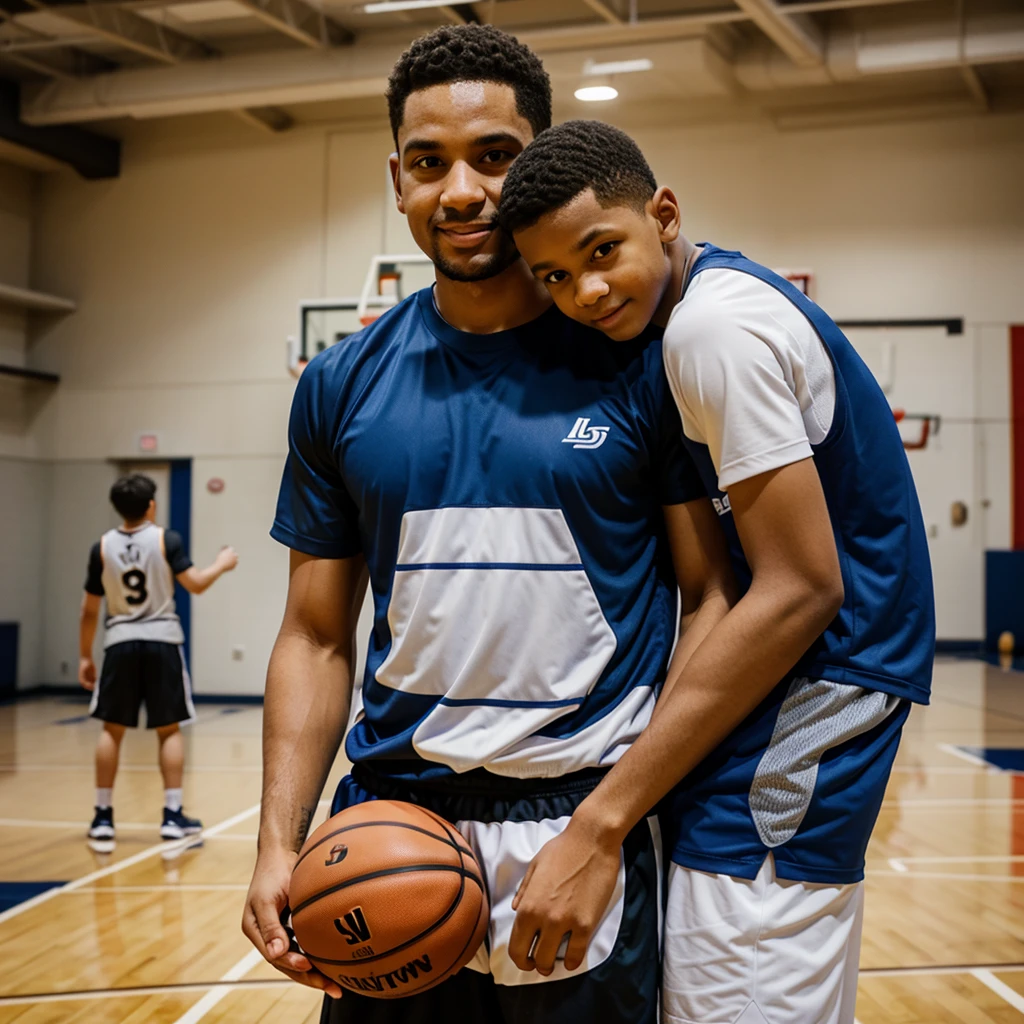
(388, 899)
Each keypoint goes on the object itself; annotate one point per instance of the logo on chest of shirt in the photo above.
(583, 435)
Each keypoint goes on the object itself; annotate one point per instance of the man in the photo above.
(134, 568)
(797, 445)
(504, 480)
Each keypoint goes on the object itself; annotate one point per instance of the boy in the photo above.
(134, 567)
(799, 450)
(515, 490)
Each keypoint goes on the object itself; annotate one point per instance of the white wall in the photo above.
(24, 482)
(189, 268)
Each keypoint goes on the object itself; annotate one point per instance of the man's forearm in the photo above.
(304, 715)
(715, 688)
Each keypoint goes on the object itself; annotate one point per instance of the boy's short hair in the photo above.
(565, 161)
(131, 495)
(471, 53)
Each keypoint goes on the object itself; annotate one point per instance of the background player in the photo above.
(799, 449)
(134, 568)
(504, 478)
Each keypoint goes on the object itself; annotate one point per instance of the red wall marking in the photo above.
(1017, 433)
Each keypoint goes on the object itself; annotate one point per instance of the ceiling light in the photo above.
(617, 67)
(403, 5)
(596, 93)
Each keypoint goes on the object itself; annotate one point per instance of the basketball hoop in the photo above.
(929, 428)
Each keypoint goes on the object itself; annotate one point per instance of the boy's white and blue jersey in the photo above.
(506, 491)
(764, 378)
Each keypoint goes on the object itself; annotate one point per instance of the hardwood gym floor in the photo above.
(141, 937)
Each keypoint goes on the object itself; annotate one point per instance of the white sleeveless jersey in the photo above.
(138, 585)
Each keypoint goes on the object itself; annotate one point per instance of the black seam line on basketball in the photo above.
(484, 896)
(382, 873)
(409, 942)
(417, 938)
(437, 924)
(370, 824)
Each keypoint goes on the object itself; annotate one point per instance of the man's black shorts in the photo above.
(505, 820)
(143, 670)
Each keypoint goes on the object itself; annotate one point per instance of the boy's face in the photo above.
(605, 267)
(456, 143)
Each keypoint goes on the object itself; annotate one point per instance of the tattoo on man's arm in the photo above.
(305, 820)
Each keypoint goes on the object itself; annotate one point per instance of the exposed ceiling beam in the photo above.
(64, 60)
(795, 35)
(300, 20)
(132, 31)
(292, 76)
(93, 156)
(602, 10)
(267, 119)
(975, 86)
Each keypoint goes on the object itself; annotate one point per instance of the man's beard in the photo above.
(492, 267)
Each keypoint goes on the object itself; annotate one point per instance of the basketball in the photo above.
(388, 899)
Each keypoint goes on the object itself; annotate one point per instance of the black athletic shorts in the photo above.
(618, 984)
(143, 670)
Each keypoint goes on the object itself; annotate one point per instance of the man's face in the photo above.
(455, 145)
(605, 268)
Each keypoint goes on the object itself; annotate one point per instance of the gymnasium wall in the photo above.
(24, 482)
(189, 268)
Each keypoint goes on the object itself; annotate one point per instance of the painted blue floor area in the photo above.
(1010, 759)
(13, 893)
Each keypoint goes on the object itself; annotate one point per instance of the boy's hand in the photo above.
(87, 673)
(565, 892)
(227, 559)
(261, 922)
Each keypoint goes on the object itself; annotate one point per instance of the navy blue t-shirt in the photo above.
(506, 491)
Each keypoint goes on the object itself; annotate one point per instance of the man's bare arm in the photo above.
(797, 590)
(309, 687)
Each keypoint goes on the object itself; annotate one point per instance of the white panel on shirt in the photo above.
(492, 610)
(752, 379)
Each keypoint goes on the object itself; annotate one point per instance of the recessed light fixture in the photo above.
(403, 5)
(617, 67)
(596, 93)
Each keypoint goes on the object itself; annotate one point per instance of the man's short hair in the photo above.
(131, 495)
(563, 162)
(471, 53)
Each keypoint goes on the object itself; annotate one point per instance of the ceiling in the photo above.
(277, 64)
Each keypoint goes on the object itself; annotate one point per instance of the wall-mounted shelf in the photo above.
(29, 376)
(25, 298)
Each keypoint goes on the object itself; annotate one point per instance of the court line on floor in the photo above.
(892, 972)
(951, 876)
(216, 994)
(152, 851)
(1001, 989)
(933, 803)
(199, 768)
(978, 762)
(171, 989)
(210, 887)
(129, 826)
(979, 858)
